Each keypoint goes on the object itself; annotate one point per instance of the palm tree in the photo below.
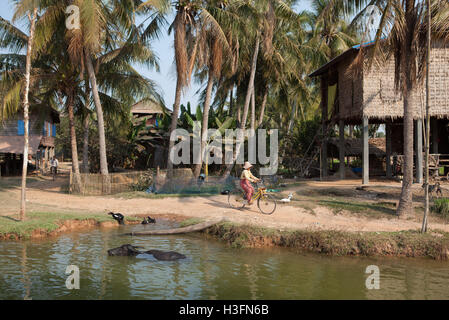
(32, 19)
(185, 27)
(211, 58)
(260, 15)
(403, 26)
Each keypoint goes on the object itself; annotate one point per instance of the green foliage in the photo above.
(302, 137)
(441, 207)
(44, 221)
(144, 182)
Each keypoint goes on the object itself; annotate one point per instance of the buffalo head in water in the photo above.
(125, 250)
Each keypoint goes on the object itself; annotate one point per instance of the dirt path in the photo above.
(47, 193)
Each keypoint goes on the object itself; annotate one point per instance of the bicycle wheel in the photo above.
(266, 204)
(236, 199)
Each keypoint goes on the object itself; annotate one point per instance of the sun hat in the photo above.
(247, 165)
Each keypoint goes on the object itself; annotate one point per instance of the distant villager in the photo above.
(166, 255)
(125, 250)
(118, 216)
(148, 220)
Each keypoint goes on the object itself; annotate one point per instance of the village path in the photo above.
(46, 194)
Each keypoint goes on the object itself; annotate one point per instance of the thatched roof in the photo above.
(372, 92)
(148, 107)
(354, 147)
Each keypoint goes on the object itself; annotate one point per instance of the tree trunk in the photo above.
(101, 132)
(26, 105)
(86, 144)
(86, 129)
(245, 108)
(174, 124)
(73, 144)
(292, 118)
(406, 200)
(231, 102)
(253, 110)
(205, 125)
(262, 107)
(407, 69)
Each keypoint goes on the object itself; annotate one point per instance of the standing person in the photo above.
(54, 165)
(245, 181)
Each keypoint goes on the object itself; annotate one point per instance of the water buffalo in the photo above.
(130, 251)
(125, 250)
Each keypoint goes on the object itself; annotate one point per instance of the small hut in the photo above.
(149, 110)
(357, 95)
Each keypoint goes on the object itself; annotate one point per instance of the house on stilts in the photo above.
(353, 94)
(42, 133)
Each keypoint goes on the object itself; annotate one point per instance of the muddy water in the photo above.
(36, 270)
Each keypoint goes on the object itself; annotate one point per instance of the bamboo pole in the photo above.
(426, 183)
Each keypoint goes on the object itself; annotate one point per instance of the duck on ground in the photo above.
(120, 218)
(288, 199)
(148, 220)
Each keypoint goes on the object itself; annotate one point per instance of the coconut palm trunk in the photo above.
(205, 124)
(86, 123)
(101, 132)
(245, 108)
(262, 107)
(407, 61)
(253, 110)
(26, 105)
(174, 124)
(75, 163)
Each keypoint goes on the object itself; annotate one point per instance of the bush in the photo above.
(441, 207)
(144, 182)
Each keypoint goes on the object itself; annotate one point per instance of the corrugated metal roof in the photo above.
(14, 144)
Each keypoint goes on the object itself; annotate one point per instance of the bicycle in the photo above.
(53, 171)
(265, 201)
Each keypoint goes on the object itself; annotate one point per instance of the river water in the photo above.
(37, 270)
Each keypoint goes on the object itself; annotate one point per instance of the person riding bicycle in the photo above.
(54, 165)
(245, 181)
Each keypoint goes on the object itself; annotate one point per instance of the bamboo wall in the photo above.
(381, 100)
(92, 184)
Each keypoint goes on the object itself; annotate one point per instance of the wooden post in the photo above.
(388, 150)
(324, 116)
(434, 127)
(341, 127)
(365, 152)
(419, 150)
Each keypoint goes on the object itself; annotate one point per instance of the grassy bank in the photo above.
(142, 194)
(402, 244)
(41, 223)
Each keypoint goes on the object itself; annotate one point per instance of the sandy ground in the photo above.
(46, 194)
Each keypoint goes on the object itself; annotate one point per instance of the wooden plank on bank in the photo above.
(193, 228)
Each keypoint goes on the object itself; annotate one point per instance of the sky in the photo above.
(166, 78)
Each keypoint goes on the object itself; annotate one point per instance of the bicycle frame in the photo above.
(261, 191)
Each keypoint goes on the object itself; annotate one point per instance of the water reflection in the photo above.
(36, 270)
